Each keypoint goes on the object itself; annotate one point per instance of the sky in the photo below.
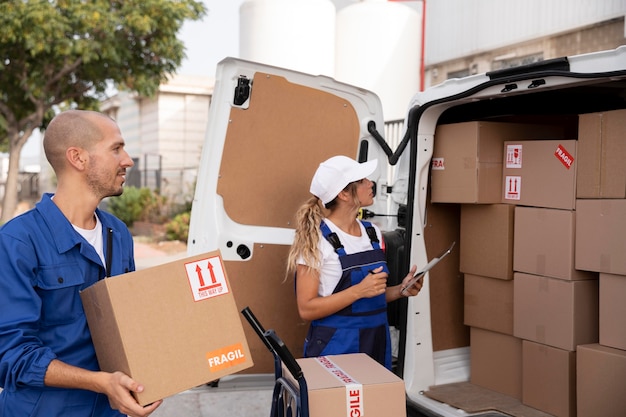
(212, 39)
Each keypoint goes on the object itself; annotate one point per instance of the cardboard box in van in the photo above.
(171, 327)
(612, 311)
(600, 376)
(467, 158)
(601, 236)
(549, 379)
(486, 247)
(555, 312)
(488, 303)
(540, 173)
(496, 362)
(601, 155)
(544, 243)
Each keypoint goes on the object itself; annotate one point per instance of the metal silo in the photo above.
(295, 34)
(379, 47)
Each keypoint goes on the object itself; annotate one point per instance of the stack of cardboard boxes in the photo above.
(600, 247)
(540, 251)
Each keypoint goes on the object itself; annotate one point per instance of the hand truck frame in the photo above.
(286, 394)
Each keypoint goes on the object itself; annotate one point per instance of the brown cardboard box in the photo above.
(600, 376)
(555, 312)
(549, 379)
(351, 385)
(467, 158)
(496, 362)
(612, 311)
(601, 236)
(171, 327)
(486, 247)
(489, 303)
(540, 173)
(544, 242)
(601, 155)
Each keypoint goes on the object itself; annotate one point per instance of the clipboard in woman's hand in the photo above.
(427, 268)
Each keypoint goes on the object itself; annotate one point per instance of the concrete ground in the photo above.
(232, 398)
(235, 395)
(148, 254)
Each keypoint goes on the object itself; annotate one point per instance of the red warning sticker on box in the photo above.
(565, 157)
(512, 187)
(438, 164)
(514, 156)
(206, 278)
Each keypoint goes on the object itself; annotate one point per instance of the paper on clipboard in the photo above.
(434, 261)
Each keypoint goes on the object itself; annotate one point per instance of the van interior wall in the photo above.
(446, 282)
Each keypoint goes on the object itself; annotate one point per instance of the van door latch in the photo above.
(242, 91)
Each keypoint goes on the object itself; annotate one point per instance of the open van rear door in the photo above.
(268, 131)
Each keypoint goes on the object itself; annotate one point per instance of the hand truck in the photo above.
(286, 394)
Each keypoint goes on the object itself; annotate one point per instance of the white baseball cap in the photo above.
(334, 174)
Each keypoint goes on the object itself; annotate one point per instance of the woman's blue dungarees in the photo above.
(363, 325)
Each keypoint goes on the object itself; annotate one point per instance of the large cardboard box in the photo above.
(540, 173)
(351, 385)
(171, 327)
(467, 158)
(549, 379)
(496, 362)
(601, 155)
(600, 376)
(555, 312)
(489, 303)
(544, 243)
(486, 247)
(613, 311)
(601, 236)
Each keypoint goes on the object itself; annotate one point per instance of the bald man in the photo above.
(49, 254)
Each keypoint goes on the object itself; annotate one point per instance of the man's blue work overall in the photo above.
(361, 326)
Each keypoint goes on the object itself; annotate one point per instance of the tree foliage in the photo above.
(68, 53)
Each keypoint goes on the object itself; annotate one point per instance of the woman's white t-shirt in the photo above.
(330, 272)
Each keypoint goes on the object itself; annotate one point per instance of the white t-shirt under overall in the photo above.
(330, 272)
(94, 237)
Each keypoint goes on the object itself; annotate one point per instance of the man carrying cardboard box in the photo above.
(48, 365)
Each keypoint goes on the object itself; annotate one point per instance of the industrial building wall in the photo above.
(592, 38)
(164, 133)
(181, 129)
(458, 28)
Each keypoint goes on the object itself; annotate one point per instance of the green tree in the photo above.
(57, 54)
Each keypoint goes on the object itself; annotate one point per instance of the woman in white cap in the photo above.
(341, 273)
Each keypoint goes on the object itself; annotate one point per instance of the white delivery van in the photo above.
(500, 163)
